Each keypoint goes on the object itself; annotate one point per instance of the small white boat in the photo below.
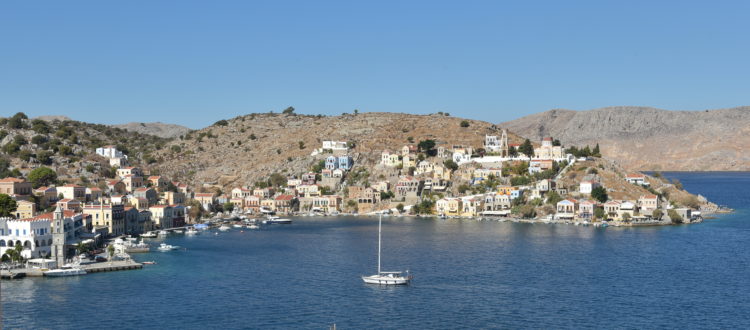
(225, 227)
(163, 233)
(278, 220)
(73, 271)
(253, 227)
(167, 247)
(149, 262)
(149, 234)
(386, 278)
(237, 225)
(178, 231)
(192, 231)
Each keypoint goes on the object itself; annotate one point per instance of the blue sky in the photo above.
(195, 62)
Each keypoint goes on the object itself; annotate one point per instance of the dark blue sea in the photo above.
(468, 274)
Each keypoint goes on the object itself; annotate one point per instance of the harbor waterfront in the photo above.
(467, 273)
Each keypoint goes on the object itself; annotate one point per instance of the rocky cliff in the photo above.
(643, 138)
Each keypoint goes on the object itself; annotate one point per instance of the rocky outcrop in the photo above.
(644, 138)
(159, 129)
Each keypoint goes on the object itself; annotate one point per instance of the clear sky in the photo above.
(195, 62)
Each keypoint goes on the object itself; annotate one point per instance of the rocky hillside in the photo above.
(651, 139)
(245, 149)
(69, 147)
(162, 130)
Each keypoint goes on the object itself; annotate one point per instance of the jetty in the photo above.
(98, 267)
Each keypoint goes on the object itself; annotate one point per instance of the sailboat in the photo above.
(386, 278)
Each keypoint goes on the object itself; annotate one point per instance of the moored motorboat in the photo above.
(278, 220)
(149, 234)
(167, 247)
(163, 233)
(225, 227)
(192, 231)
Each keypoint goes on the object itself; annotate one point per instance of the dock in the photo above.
(111, 266)
(89, 268)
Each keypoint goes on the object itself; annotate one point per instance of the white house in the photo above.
(638, 179)
(335, 145)
(35, 235)
(110, 152)
(587, 186)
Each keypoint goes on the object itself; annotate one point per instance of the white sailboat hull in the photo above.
(386, 280)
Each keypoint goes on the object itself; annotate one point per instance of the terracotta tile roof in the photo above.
(284, 197)
(12, 179)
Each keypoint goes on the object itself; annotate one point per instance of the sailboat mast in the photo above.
(380, 226)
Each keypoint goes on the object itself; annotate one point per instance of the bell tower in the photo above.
(58, 236)
(504, 152)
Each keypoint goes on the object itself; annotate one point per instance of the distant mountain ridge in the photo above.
(644, 138)
(156, 128)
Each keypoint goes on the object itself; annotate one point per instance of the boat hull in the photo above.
(66, 272)
(386, 280)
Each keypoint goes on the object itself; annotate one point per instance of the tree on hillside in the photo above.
(596, 152)
(464, 123)
(228, 207)
(277, 180)
(674, 216)
(553, 198)
(450, 164)
(526, 148)
(7, 205)
(288, 111)
(42, 176)
(657, 214)
(600, 194)
(18, 121)
(599, 213)
(556, 143)
(426, 146)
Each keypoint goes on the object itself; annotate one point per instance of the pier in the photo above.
(89, 268)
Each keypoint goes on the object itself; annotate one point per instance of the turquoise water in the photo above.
(468, 274)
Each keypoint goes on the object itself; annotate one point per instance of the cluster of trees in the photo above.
(13, 255)
(584, 152)
(600, 194)
(424, 207)
(7, 205)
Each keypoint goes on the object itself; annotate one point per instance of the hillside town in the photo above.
(524, 182)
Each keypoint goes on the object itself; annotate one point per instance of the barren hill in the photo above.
(159, 129)
(245, 149)
(651, 139)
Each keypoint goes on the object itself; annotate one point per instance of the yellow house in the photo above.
(471, 207)
(107, 215)
(506, 190)
(409, 161)
(441, 173)
(448, 206)
(388, 158)
(25, 209)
